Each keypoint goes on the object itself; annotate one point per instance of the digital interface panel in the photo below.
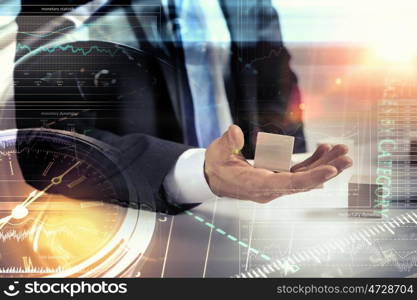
(90, 70)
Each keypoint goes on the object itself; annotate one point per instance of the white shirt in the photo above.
(186, 182)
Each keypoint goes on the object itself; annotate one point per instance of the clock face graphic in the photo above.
(66, 208)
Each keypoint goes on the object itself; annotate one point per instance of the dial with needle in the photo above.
(20, 211)
(54, 181)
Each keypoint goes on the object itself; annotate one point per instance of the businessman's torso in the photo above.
(144, 92)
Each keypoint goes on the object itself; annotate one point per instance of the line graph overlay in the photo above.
(70, 48)
(364, 238)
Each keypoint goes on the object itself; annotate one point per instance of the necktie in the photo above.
(192, 29)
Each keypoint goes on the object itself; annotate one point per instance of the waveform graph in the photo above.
(70, 86)
(35, 271)
(121, 24)
(13, 235)
(91, 50)
(51, 239)
(27, 267)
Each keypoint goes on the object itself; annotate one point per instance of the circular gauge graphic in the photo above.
(65, 208)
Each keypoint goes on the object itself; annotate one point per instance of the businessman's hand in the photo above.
(230, 175)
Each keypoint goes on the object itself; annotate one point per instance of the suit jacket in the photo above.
(148, 125)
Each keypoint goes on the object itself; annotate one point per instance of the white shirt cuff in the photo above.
(186, 183)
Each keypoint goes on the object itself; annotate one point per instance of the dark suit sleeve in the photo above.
(147, 160)
(137, 166)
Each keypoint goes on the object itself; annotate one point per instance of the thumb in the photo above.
(235, 140)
